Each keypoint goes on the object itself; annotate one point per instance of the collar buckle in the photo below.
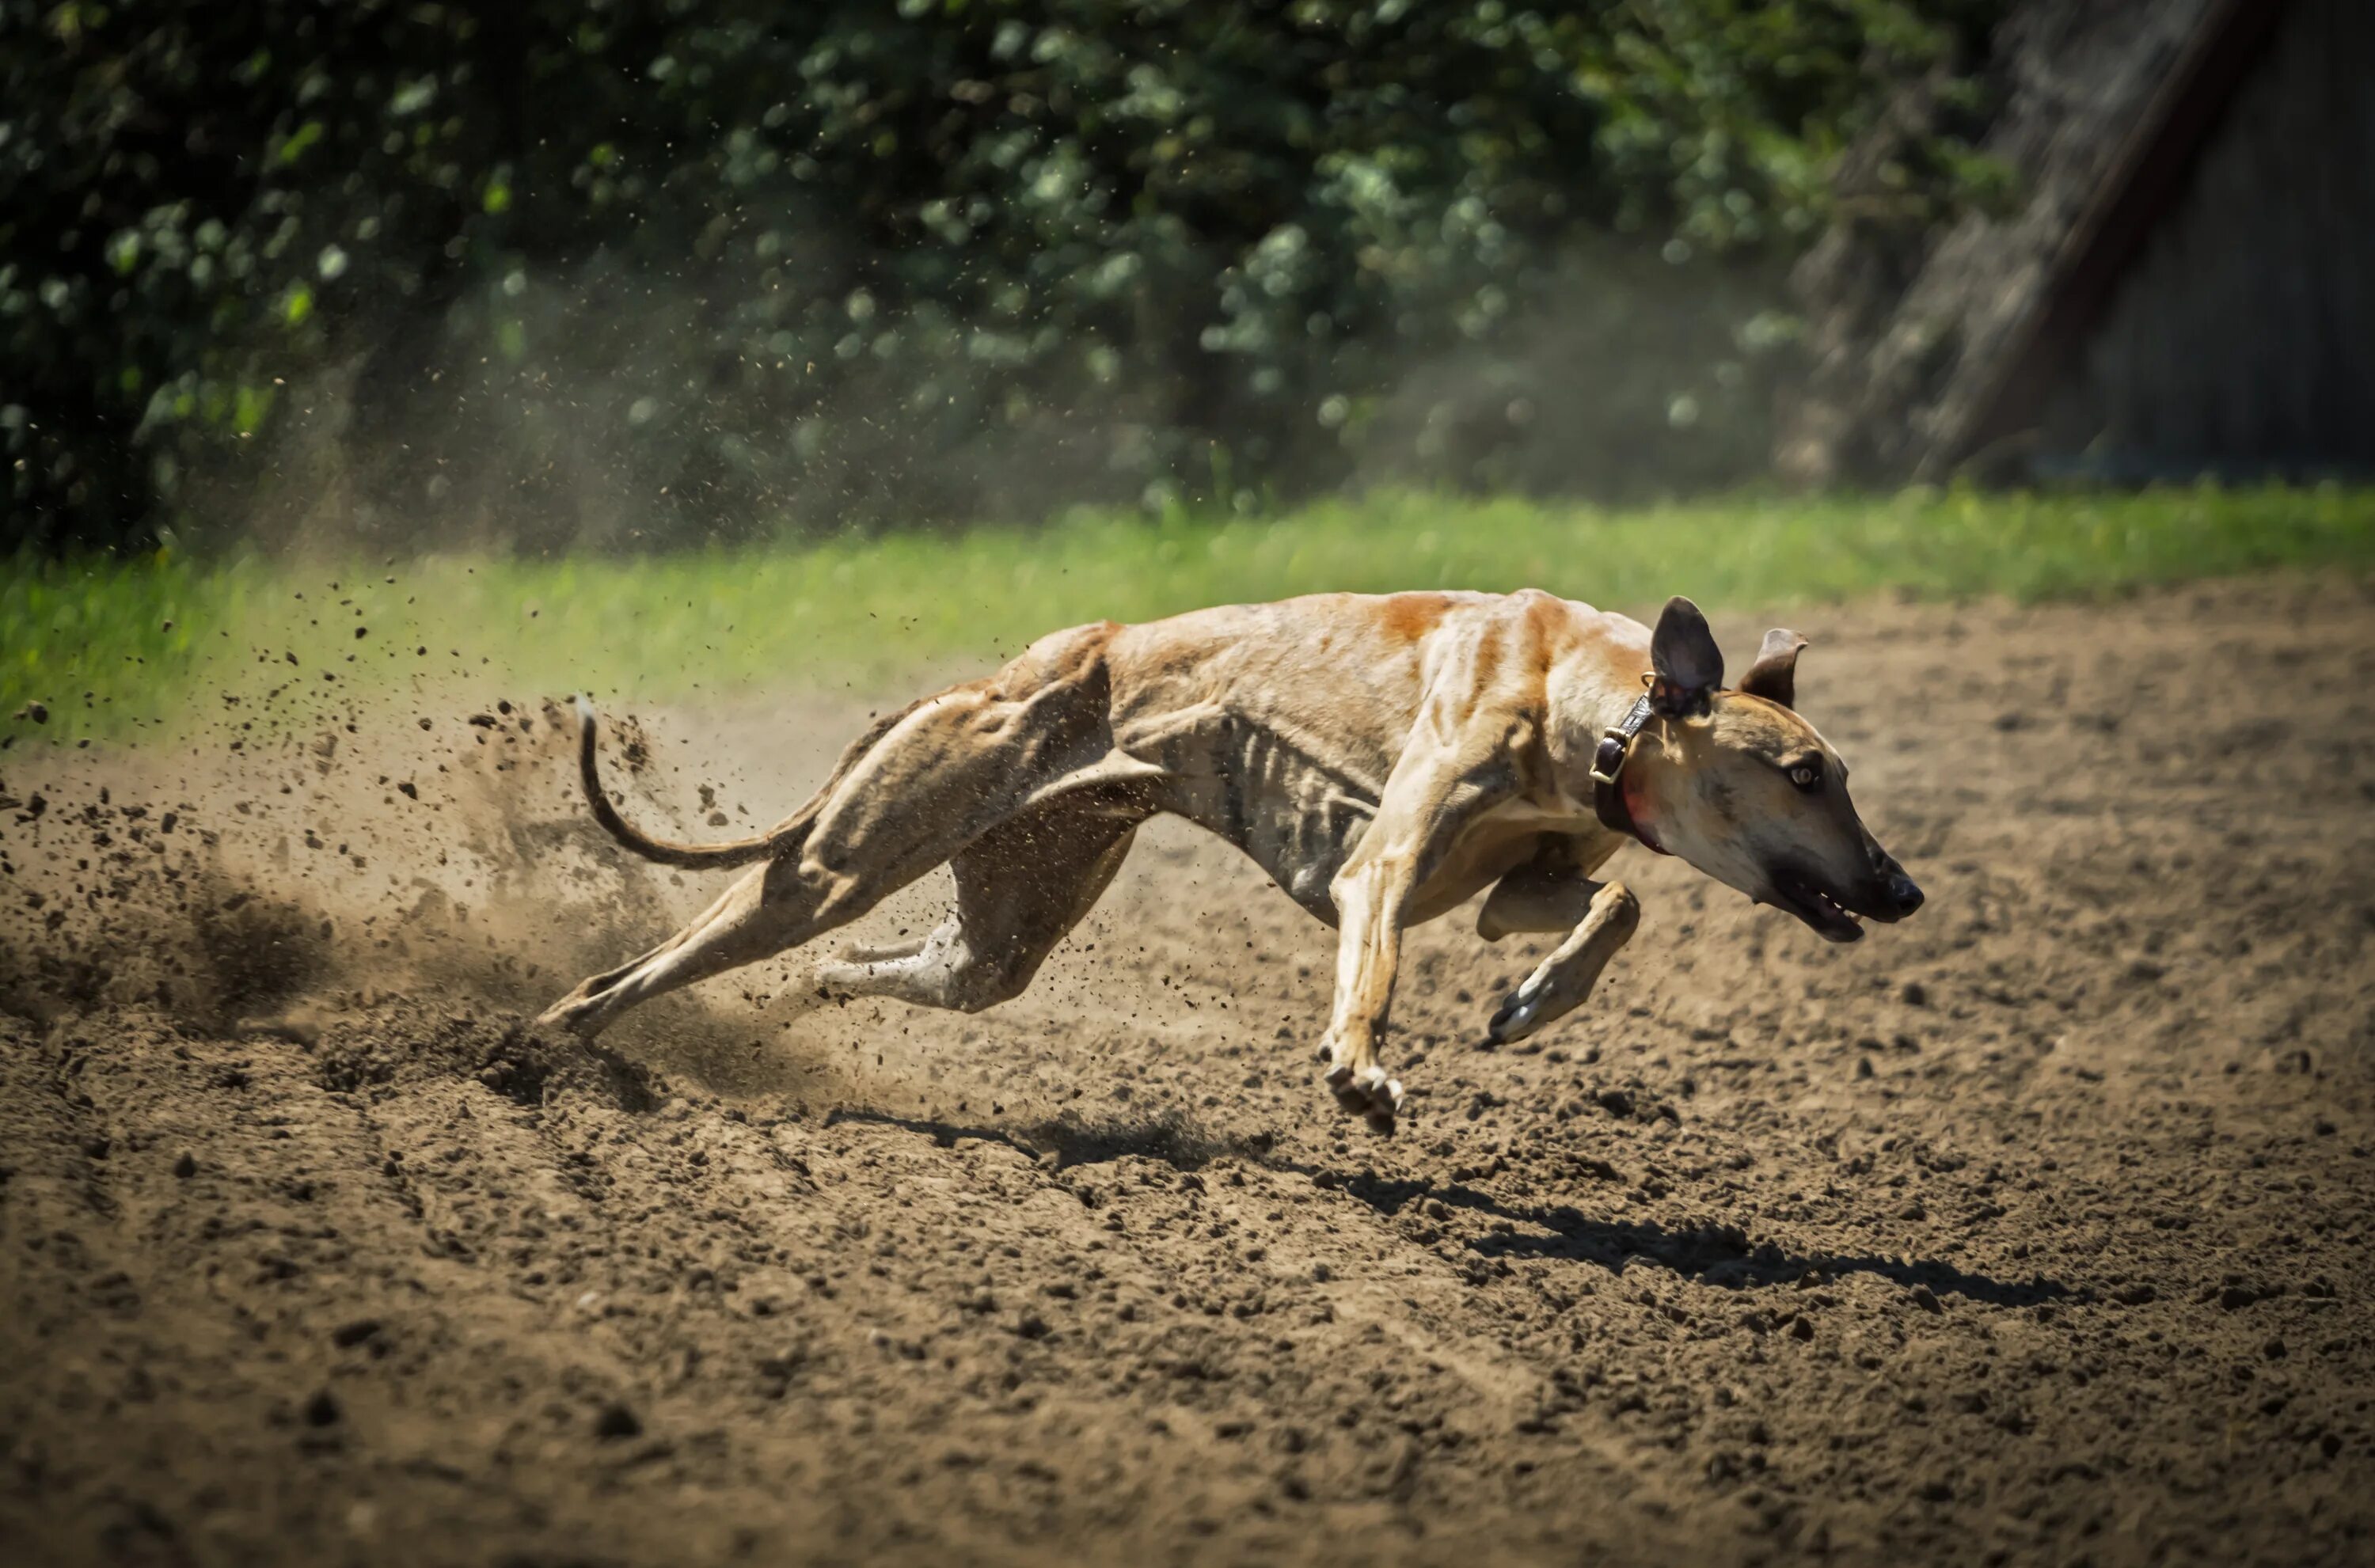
(1608, 760)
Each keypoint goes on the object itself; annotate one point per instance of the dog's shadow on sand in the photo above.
(1171, 1135)
(1721, 1256)
(1712, 1255)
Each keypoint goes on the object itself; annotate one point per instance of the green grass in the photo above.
(116, 646)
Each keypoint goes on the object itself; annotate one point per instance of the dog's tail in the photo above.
(696, 856)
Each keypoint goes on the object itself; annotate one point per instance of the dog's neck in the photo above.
(1584, 704)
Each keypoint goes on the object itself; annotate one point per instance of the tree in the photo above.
(637, 271)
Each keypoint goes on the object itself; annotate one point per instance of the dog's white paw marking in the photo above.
(832, 982)
(1519, 1015)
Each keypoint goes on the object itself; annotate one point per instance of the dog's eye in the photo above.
(1805, 775)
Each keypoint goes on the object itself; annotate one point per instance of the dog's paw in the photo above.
(574, 1016)
(1519, 1015)
(1367, 1093)
(828, 983)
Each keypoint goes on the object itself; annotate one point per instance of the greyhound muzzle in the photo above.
(1838, 914)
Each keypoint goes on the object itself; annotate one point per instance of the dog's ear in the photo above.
(1688, 665)
(1774, 675)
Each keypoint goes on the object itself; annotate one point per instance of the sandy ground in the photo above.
(2034, 1230)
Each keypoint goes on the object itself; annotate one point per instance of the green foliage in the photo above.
(648, 271)
(144, 643)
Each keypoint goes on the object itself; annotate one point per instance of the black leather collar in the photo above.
(1608, 760)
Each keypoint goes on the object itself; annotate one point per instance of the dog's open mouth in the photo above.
(1818, 909)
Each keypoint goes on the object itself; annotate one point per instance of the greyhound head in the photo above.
(1741, 787)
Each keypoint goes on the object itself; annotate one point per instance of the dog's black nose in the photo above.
(1906, 893)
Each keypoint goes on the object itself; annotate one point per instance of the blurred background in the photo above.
(631, 275)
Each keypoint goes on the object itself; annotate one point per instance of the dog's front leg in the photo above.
(1436, 791)
(1560, 983)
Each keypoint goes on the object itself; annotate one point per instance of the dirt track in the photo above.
(2035, 1230)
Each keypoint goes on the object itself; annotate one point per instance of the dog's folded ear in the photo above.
(1774, 675)
(1688, 665)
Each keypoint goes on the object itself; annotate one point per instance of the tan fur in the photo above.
(1382, 758)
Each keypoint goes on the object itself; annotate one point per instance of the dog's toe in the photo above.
(1351, 1094)
(1366, 1092)
(1516, 1018)
(570, 1017)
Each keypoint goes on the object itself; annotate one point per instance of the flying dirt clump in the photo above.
(126, 902)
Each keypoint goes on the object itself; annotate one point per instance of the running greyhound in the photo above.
(1381, 756)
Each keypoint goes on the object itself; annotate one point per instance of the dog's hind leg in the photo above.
(1020, 888)
(768, 909)
(802, 993)
(882, 952)
(934, 784)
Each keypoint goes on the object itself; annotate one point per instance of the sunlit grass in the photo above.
(112, 646)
